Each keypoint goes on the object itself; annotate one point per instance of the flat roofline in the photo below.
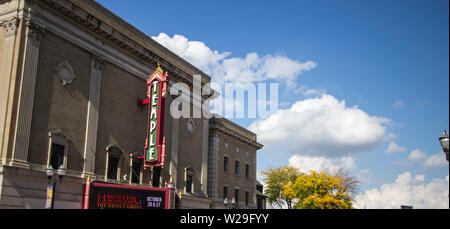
(106, 16)
(235, 128)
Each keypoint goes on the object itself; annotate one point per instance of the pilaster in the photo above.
(174, 150)
(92, 115)
(205, 142)
(33, 39)
(213, 166)
(9, 45)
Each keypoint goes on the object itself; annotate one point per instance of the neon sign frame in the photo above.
(154, 152)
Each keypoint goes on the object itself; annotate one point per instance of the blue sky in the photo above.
(387, 58)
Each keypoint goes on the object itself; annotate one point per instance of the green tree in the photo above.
(319, 190)
(275, 180)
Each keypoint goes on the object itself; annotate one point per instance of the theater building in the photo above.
(72, 81)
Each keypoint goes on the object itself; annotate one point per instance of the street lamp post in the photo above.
(173, 194)
(52, 178)
(233, 205)
(444, 143)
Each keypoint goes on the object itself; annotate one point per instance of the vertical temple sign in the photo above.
(153, 151)
(155, 145)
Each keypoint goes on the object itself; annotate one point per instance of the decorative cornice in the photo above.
(248, 138)
(59, 133)
(98, 62)
(92, 16)
(35, 31)
(10, 26)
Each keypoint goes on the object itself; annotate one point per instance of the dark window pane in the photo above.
(247, 170)
(259, 203)
(246, 198)
(113, 163)
(225, 192)
(135, 174)
(236, 195)
(156, 175)
(57, 156)
(225, 164)
(236, 168)
(188, 183)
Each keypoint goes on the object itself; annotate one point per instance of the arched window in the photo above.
(57, 149)
(189, 179)
(136, 170)
(113, 158)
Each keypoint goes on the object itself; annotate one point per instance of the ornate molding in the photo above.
(65, 73)
(190, 125)
(86, 14)
(98, 62)
(10, 26)
(59, 134)
(115, 150)
(217, 125)
(34, 32)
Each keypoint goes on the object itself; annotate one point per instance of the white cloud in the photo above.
(436, 160)
(195, 52)
(398, 104)
(243, 70)
(407, 190)
(285, 104)
(308, 92)
(429, 161)
(365, 176)
(394, 148)
(307, 163)
(424, 103)
(417, 155)
(321, 126)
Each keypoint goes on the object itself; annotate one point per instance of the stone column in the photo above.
(90, 145)
(26, 93)
(255, 175)
(174, 150)
(213, 166)
(9, 45)
(205, 143)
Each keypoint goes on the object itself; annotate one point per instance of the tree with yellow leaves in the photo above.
(275, 179)
(319, 190)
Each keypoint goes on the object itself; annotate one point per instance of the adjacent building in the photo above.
(72, 78)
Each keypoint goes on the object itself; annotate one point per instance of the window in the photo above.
(57, 149)
(113, 165)
(114, 153)
(259, 203)
(156, 176)
(136, 172)
(225, 192)
(57, 156)
(246, 198)
(236, 195)
(247, 170)
(236, 168)
(189, 183)
(225, 164)
(189, 175)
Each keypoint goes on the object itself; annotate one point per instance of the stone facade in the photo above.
(238, 147)
(72, 74)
